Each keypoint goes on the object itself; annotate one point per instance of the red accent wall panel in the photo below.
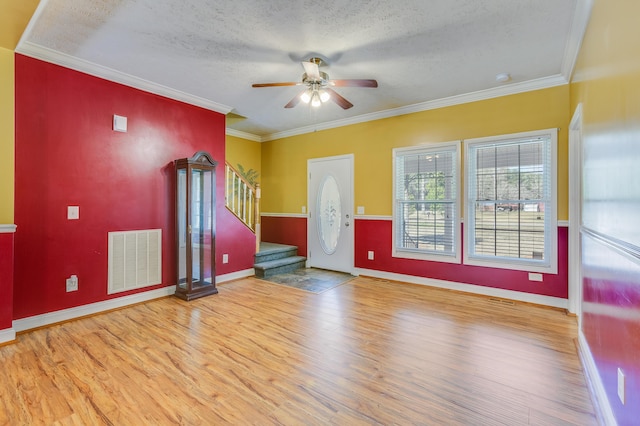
(68, 154)
(238, 241)
(611, 321)
(6, 280)
(376, 235)
(286, 230)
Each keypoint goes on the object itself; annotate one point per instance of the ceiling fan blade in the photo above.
(293, 102)
(287, 83)
(354, 83)
(312, 70)
(335, 97)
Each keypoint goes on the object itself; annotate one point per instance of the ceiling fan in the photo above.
(319, 86)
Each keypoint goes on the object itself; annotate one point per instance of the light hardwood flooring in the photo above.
(366, 352)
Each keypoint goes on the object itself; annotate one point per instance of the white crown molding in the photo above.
(243, 135)
(537, 299)
(48, 55)
(481, 95)
(576, 35)
(8, 229)
(297, 215)
(49, 318)
(7, 335)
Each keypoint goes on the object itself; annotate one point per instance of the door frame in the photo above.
(350, 232)
(575, 214)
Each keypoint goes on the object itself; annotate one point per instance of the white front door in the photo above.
(330, 227)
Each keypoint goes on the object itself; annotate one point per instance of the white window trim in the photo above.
(409, 254)
(549, 267)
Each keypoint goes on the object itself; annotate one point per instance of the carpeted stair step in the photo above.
(272, 251)
(285, 265)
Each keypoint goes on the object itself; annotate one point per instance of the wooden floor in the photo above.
(366, 352)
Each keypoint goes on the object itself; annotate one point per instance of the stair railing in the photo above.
(243, 200)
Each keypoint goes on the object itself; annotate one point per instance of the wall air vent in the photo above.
(135, 259)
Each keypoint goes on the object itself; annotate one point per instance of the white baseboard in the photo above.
(7, 335)
(49, 318)
(537, 299)
(235, 275)
(596, 386)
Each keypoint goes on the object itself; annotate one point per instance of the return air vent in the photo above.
(135, 259)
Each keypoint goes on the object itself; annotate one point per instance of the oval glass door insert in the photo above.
(329, 214)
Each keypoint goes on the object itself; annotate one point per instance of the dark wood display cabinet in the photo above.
(195, 226)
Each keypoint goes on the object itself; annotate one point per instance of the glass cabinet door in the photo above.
(181, 223)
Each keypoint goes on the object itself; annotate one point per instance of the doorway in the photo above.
(330, 232)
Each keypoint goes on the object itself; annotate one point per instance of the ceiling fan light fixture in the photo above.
(306, 96)
(315, 100)
(324, 95)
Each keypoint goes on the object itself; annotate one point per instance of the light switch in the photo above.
(73, 212)
(120, 123)
(360, 210)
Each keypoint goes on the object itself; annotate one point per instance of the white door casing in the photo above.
(575, 213)
(330, 228)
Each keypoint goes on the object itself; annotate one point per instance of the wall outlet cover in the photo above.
(73, 212)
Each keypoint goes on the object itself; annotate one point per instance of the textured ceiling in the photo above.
(210, 52)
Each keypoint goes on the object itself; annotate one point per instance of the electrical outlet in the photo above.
(225, 258)
(370, 255)
(360, 209)
(621, 390)
(535, 277)
(72, 283)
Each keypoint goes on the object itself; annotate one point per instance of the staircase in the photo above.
(274, 259)
(243, 200)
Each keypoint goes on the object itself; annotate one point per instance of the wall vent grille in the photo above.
(135, 259)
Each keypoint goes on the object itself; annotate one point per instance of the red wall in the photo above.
(68, 154)
(376, 235)
(610, 321)
(286, 230)
(6, 280)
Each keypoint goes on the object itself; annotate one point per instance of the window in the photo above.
(511, 201)
(426, 213)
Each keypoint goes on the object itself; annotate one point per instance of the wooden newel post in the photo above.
(257, 217)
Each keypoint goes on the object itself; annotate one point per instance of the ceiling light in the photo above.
(315, 100)
(324, 95)
(503, 77)
(306, 96)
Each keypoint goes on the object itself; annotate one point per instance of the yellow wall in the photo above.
(244, 152)
(285, 160)
(607, 83)
(607, 74)
(14, 17)
(6, 135)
